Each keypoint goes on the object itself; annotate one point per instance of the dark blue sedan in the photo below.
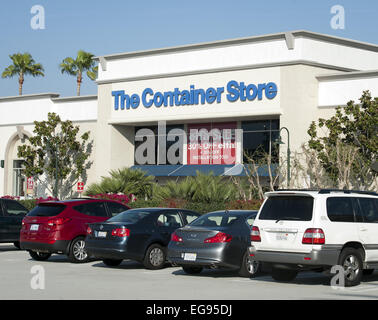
(136, 234)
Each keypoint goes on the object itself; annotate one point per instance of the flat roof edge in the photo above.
(267, 37)
(202, 45)
(75, 98)
(30, 96)
(348, 75)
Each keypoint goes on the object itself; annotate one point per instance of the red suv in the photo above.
(60, 226)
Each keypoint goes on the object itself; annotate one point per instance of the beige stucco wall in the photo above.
(299, 102)
(114, 143)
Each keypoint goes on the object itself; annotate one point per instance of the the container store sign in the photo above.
(211, 143)
(233, 91)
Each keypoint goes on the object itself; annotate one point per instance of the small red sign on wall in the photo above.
(80, 186)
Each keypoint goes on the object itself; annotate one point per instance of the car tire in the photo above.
(112, 262)
(350, 259)
(283, 275)
(249, 267)
(155, 257)
(192, 269)
(39, 256)
(77, 252)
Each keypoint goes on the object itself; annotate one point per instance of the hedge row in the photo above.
(201, 207)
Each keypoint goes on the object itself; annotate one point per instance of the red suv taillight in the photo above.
(57, 221)
(121, 232)
(255, 234)
(313, 236)
(175, 237)
(89, 230)
(218, 238)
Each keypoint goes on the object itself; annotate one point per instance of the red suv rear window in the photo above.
(46, 210)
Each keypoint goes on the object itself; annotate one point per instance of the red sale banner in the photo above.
(29, 185)
(211, 143)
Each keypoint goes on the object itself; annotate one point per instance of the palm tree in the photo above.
(76, 67)
(126, 181)
(201, 188)
(23, 64)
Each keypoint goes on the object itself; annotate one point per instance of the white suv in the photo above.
(297, 230)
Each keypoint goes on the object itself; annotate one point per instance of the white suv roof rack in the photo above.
(324, 191)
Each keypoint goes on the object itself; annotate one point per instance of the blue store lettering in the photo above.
(235, 91)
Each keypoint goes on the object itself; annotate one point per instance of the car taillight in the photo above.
(175, 237)
(313, 236)
(121, 232)
(255, 235)
(89, 230)
(218, 238)
(57, 221)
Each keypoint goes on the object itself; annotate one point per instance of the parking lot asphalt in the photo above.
(66, 281)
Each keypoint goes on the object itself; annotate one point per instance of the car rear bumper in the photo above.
(323, 257)
(103, 249)
(209, 257)
(59, 246)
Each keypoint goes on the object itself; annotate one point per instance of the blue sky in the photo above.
(113, 26)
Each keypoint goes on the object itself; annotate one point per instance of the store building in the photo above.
(239, 92)
(17, 116)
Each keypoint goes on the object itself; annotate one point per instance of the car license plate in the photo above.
(34, 227)
(282, 236)
(101, 234)
(190, 256)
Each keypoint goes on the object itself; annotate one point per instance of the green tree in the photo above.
(77, 67)
(354, 126)
(23, 64)
(126, 181)
(55, 156)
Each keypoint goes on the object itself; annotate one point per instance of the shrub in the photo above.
(28, 203)
(10, 197)
(123, 198)
(202, 188)
(141, 203)
(125, 181)
(39, 200)
(244, 204)
(205, 207)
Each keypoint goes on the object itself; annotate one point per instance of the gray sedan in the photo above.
(216, 239)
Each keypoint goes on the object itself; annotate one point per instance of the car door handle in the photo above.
(363, 229)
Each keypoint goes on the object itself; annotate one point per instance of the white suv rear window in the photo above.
(298, 208)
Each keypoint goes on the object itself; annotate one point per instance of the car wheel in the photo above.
(367, 272)
(155, 257)
(350, 259)
(17, 244)
(284, 275)
(192, 269)
(78, 253)
(39, 256)
(249, 268)
(112, 262)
